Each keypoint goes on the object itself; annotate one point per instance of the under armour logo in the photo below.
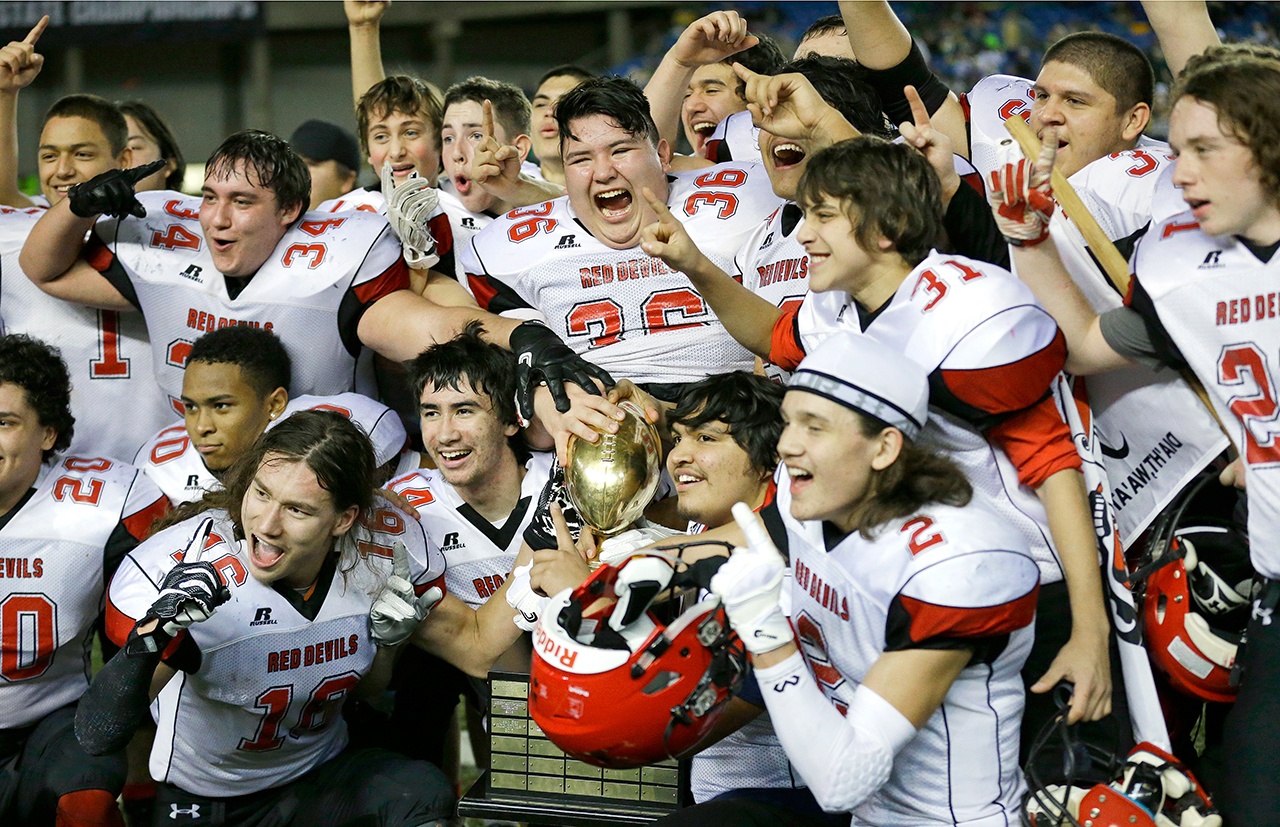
(1211, 260)
(1259, 613)
(175, 811)
(794, 680)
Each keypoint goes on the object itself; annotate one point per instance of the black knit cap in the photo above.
(319, 140)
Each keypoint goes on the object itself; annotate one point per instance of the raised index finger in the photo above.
(195, 549)
(919, 112)
(136, 174)
(36, 31)
(657, 206)
(486, 120)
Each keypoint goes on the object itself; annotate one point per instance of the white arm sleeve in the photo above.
(843, 760)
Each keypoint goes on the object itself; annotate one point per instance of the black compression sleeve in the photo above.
(912, 71)
(116, 701)
(972, 230)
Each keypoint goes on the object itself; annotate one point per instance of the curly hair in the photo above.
(487, 368)
(38, 369)
(259, 353)
(1244, 89)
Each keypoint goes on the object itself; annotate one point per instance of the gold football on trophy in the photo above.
(611, 480)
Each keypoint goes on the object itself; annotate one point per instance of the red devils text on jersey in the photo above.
(992, 353)
(113, 393)
(944, 577)
(1216, 301)
(260, 700)
(311, 292)
(773, 264)
(623, 309)
(478, 554)
(57, 548)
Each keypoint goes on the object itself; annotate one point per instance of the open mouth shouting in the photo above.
(614, 204)
(786, 155)
(263, 554)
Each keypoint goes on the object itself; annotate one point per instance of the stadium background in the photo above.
(211, 68)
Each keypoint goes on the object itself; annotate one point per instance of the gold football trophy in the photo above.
(611, 480)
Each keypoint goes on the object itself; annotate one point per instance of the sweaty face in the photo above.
(22, 441)
(462, 433)
(458, 137)
(546, 133)
(72, 150)
(829, 462)
(145, 149)
(290, 523)
(1219, 176)
(408, 141)
(329, 179)
(712, 472)
(606, 170)
(223, 413)
(1084, 114)
(242, 221)
(712, 96)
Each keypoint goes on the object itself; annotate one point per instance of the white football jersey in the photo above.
(623, 309)
(478, 554)
(735, 138)
(1148, 459)
(113, 394)
(311, 292)
(381, 424)
(83, 516)
(773, 265)
(262, 704)
(989, 348)
(1215, 299)
(942, 576)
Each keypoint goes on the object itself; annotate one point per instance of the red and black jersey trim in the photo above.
(99, 257)
(1166, 349)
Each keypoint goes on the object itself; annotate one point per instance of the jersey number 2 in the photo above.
(1244, 365)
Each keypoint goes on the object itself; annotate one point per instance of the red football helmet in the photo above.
(614, 686)
(1198, 590)
(1150, 789)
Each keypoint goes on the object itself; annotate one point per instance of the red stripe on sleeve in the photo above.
(97, 254)
(1010, 387)
(1037, 442)
(785, 349)
(139, 523)
(440, 230)
(395, 277)
(421, 588)
(930, 621)
(119, 624)
(482, 290)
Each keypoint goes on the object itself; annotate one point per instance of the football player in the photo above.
(576, 261)
(256, 643)
(545, 132)
(235, 385)
(911, 602)
(235, 257)
(938, 310)
(65, 524)
(1199, 299)
(107, 352)
(699, 67)
(332, 157)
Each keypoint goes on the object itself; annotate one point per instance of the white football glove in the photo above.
(397, 611)
(528, 604)
(409, 208)
(618, 548)
(639, 581)
(750, 586)
(1021, 195)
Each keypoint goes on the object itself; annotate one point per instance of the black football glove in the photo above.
(541, 531)
(542, 358)
(111, 193)
(189, 593)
